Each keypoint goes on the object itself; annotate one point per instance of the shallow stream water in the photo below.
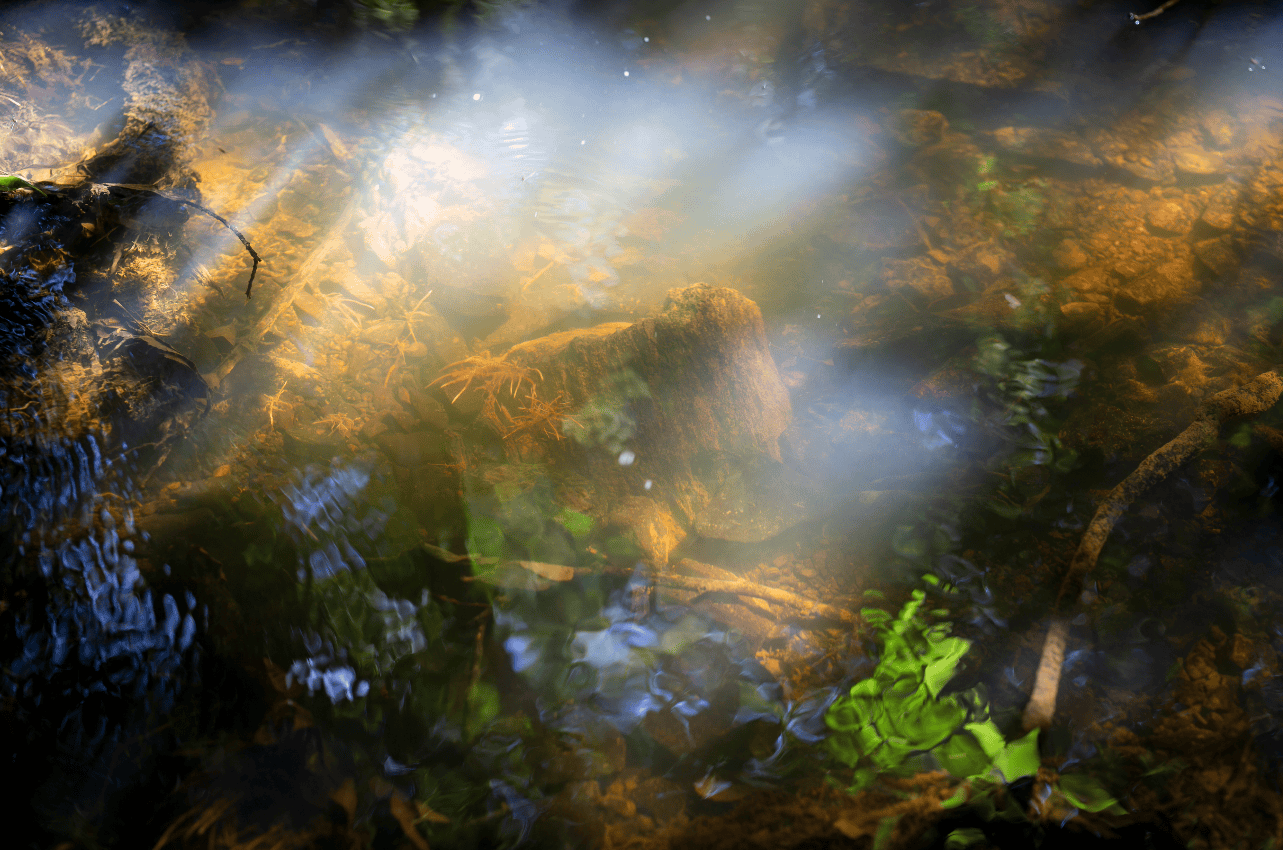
(395, 548)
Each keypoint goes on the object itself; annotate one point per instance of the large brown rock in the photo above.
(664, 410)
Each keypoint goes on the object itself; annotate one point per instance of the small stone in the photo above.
(1196, 163)
(1217, 254)
(986, 261)
(363, 292)
(1219, 129)
(403, 418)
(1090, 281)
(1069, 255)
(431, 411)
(920, 275)
(310, 309)
(917, 128)
(1219, 212)
(1241, 651)
(1080, 313)
(1046, 144)
(1213, 332)
(1170, 217)
(1153, 171)
(1170, 282)
(384, 332)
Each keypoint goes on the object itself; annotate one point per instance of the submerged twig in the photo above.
(249, 286)
(922, 234)
(742, 587)
(1251, 399)
(1160, 10)
(526, 283)
(147, 190)
(285, 299)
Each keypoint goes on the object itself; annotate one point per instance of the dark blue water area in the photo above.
(95, 657)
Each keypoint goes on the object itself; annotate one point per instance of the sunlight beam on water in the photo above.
(534, 139)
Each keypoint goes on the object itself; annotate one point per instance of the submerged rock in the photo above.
(1046, 145)
(1196, 164)
(918, 275)
(1170, 217)
(1219, 212)
(1172, 282)
(644, 423)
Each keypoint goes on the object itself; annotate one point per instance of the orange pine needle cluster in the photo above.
(511, 398)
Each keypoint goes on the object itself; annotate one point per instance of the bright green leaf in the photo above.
(10, 182)
(941, 670)
(874, 616)
(1086, 793)
(989, 737)
(960, 796)
(965, 837)
(1019, 758)
(962, 756)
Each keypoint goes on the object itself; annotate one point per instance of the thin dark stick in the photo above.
(147, 190)
(249, 287)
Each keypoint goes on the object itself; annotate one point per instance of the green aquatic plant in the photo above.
(11, 182)
(1025, 386)
(1016, 204)
(899, 722)
(393, 14)
(1018, 208)
(986, 169)
(515, 523)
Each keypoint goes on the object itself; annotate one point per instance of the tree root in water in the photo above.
(740, 587)
(1155, 13)
(1251, 399)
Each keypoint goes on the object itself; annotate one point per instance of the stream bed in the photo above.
(641, 425)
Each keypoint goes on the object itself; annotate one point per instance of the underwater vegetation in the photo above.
(898, 721)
